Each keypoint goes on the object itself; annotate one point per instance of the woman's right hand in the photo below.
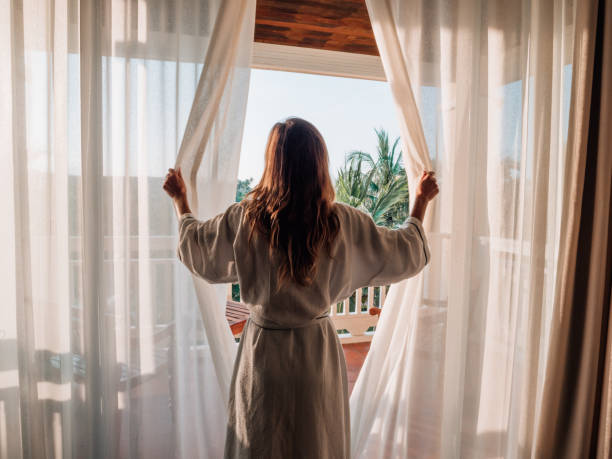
(427, 189)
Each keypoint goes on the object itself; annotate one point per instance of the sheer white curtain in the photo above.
(457, 362)
(103, 352)
(209, 156)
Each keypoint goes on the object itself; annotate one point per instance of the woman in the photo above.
(294, 252)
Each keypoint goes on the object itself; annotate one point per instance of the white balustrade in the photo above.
(352, 316)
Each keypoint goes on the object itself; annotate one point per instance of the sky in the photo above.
(345, 110)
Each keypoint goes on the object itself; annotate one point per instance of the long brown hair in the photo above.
(292, 206)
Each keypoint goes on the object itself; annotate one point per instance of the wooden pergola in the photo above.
(333, 25)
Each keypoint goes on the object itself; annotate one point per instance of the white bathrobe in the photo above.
(289, 392)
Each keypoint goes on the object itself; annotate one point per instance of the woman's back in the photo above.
(362, 254)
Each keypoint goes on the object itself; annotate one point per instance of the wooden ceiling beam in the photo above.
(342, 30)
(336, 25)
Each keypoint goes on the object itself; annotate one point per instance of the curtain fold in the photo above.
(576, 408)
(209, 157)
(456, 367)
(104, 350)
(414, 146)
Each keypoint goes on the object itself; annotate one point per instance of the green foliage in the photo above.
(243, 188)
(235, 292)
(376, 184)
(353, 185)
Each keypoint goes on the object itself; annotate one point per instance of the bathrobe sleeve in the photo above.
(379, 255)
(206, 248)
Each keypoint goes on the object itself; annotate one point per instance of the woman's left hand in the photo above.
(176, 189)
(174, 184)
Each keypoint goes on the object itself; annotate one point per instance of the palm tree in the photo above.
(353, 185)
(243, 187)
(376, 185)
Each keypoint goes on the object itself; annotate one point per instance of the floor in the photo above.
(354, 354)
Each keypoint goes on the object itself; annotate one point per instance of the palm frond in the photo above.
(376, 184)
(390, 195)
(353, 185)
(357, 155)
(397, 162)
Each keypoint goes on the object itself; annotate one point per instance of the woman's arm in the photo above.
(378, 255)
(176, 189)
(206, 248)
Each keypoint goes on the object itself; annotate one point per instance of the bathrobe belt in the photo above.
(271, 325)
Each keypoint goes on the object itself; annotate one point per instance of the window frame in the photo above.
(297, 59)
